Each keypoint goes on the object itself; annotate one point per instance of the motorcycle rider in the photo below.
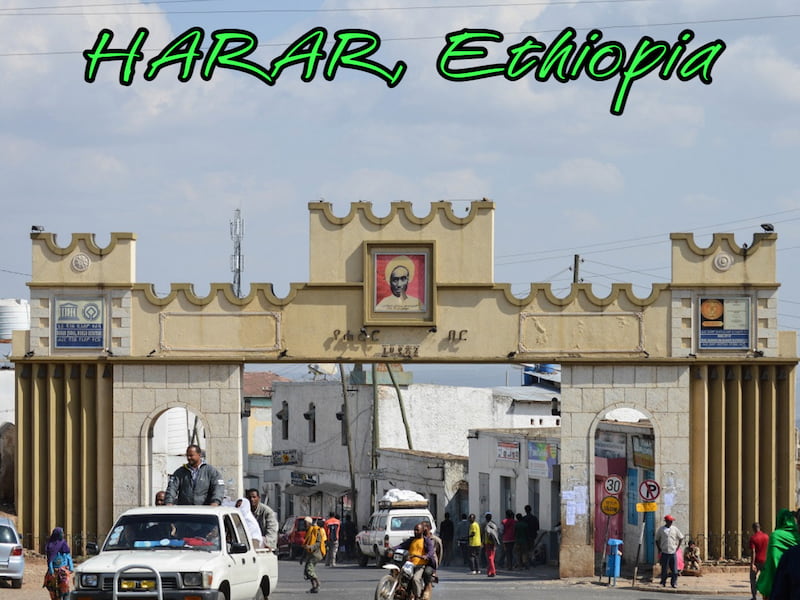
(429, 572)
(421, 552)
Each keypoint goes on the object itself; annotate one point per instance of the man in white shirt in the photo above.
(668, 540)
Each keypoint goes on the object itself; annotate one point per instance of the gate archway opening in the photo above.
(172, 431)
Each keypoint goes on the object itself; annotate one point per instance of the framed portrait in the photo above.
(399, 283)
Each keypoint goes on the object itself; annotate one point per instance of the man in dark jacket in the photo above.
(196, 482)
(533, 532)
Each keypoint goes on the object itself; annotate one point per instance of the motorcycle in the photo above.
(398, 584)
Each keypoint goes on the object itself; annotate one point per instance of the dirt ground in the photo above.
(35, 568)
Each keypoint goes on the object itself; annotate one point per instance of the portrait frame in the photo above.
(416, 302)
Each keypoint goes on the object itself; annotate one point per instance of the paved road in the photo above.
(350, 582)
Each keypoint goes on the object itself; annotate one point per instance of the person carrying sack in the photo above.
(315, 547)
(59, 565)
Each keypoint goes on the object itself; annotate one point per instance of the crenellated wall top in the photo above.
(724, 262)
(450, 309)
(402, 209)
(336, 244)
(83, 262)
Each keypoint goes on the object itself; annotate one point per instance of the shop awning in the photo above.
(327, 487)
(332, 489)
(300, 490)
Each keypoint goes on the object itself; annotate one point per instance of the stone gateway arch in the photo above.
(701, 355)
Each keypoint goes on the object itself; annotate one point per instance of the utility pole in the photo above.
(576, 265)
(373, 484)
(237, 258)
(402, 407)
(346, 417)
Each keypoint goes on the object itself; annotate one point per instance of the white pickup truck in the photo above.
(391, 524)
(177, 553)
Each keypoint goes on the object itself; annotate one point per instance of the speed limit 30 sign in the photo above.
(613, 485)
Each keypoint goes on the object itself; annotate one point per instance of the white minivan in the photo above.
(388, 526)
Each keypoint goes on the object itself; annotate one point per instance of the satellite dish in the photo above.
(323, 369)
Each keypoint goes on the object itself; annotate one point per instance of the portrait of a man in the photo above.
(400, 283)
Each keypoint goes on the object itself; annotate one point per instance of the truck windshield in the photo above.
(164, 532)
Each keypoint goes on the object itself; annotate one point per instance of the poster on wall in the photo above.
(724, 324)
(542, 457)
(78, 323)
(610, 444)
(643, 454)
(508, 451)
(399, 282)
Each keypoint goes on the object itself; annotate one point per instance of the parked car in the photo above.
(292, 536)
(12, 560)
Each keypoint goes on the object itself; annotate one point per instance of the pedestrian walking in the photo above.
(758, 555)
(474, 537)
(315, 549)
(491, 540)
(509, 525)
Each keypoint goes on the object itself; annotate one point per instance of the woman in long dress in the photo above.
(59, 565)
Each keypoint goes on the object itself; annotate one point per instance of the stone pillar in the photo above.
(660, 392)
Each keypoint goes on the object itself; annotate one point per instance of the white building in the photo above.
(311, 424)
(513, 467)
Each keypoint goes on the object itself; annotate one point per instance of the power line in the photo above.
(389, 39)
(662, 238)
(364, 9)
(15, 272)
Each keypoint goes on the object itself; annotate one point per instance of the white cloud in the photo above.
(581, 221)
(755, 70)
(584, 174)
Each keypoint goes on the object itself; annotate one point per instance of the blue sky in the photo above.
(171, 161)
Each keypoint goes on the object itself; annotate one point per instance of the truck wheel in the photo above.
(385, 589)
(363, 559)
(16, 583)
(259, 594)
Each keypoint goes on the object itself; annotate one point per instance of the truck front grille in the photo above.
(167, 583)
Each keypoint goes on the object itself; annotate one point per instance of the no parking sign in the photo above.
(649, 490)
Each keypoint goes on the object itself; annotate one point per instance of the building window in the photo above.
(311, 416)
(342, 416)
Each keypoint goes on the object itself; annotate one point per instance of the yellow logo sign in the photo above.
(610, 505)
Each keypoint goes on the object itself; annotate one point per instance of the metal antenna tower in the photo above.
(237, 258)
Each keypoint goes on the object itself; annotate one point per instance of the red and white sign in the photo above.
(613, 485)
(649, 490)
